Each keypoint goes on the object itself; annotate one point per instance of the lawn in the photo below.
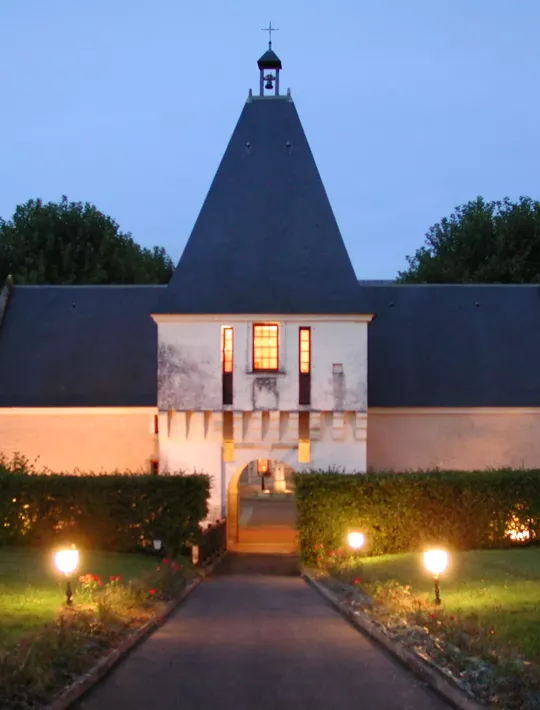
(32, 591)
(501, 588)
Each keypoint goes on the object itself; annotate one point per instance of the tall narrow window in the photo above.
(227, 363)
(266, 346)
(304, 350)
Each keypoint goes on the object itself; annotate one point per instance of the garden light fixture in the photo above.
(67, 561)
(436, 561)
(355, 539)
(157, 545)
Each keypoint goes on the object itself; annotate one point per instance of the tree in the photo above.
(74, 243)
(482, 242)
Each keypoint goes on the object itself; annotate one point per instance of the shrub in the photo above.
(121, 513)
(403, 512)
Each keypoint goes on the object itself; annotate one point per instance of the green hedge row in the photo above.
(121, 513)
(401, 512)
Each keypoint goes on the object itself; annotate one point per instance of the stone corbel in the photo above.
(338, 426)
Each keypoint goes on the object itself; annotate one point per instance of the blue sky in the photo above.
(411, 107)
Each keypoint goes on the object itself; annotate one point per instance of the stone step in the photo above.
(265, 548)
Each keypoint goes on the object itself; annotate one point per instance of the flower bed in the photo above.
(484, 635)
(105, 611)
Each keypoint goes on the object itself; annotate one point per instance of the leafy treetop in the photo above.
(75, 243)
(482, 242)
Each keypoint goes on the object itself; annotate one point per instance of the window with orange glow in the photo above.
(227, 348)
(305, 351)
(265, 346)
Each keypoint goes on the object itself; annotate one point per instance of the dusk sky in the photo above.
(411, 107)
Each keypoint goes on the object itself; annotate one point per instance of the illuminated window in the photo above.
(265, 346)
(227, 363)
(227, 348)
(304, 366)
(305, 351)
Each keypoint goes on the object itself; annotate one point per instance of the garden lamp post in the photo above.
(436, 561)
(66, 561)
(355, 540)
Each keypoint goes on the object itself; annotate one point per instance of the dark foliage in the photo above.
(74, 243)
(120, 513)
(404, 512)
(482, 242)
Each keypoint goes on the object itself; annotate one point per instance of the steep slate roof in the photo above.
(69, 346)
(266, 239)
(453, 345)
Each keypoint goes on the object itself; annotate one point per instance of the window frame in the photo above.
(277, 346)
(304, 378)
(226, 373)
(224, 330)
(304, 329)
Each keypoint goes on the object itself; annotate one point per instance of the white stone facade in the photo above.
(263, 421)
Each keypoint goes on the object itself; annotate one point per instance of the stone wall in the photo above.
(473, 438)
(88, 439)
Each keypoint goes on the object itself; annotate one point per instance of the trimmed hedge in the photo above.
(121, 513)
(401, 512)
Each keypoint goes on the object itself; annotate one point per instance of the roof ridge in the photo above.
(92, 286)
(389, 282)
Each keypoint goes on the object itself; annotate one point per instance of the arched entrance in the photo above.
(261, 511)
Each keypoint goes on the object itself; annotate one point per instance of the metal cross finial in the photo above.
(270, 29)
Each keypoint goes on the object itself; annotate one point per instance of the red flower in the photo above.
(176, 567)
(165, 561)
(151, 592)
(432, 616)
(115, 578)
(357, 581)
(451, 618)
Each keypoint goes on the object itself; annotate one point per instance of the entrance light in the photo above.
(356, 539)
(67, 561)
(436, 562)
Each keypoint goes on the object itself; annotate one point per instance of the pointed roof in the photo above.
(266, 239)
(269, 60)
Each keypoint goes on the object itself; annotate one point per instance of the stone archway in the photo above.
(261, 510)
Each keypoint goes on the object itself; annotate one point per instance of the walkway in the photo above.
(249, 641)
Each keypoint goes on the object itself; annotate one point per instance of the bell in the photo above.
(269, 81)
(269, 84)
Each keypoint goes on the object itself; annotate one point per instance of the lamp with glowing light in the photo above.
(436, 561)
(263, 470)
(262, 466)
(67, 561)
(355, 540)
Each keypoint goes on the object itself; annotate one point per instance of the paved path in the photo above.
(249, 641)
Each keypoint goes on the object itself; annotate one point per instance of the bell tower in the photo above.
(267, 63)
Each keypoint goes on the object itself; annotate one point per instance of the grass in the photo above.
(499, 588)
(31, 591)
